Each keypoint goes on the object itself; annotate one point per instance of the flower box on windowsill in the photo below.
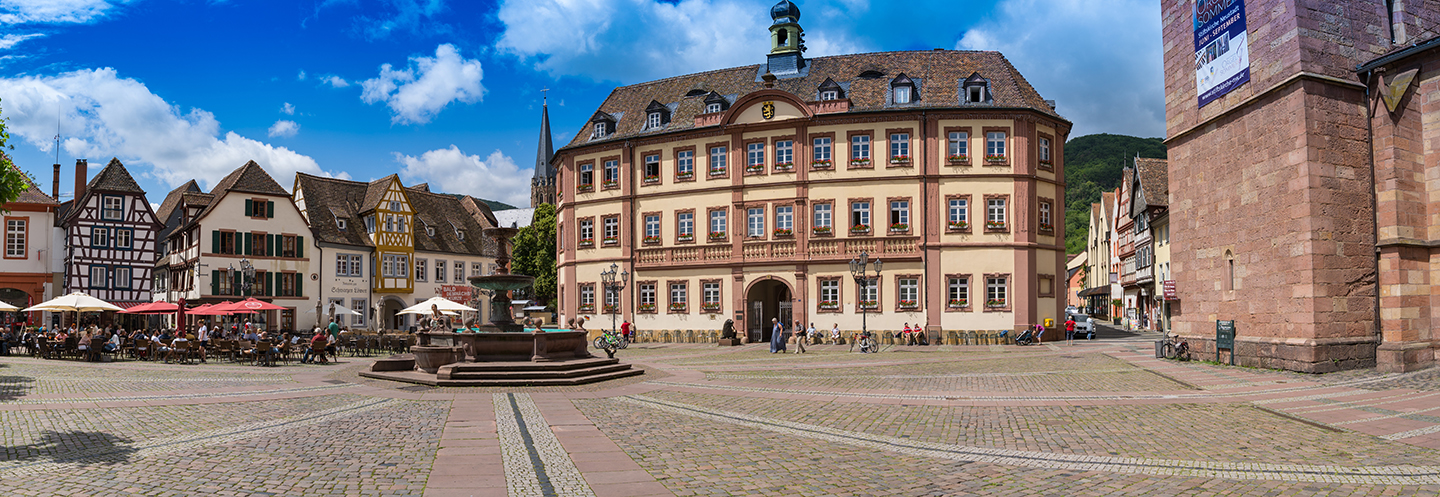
(677, 307)
(869, 304)
(860, 228)
(1047, 164)
(710, 307)
(899, 228)
(651, 240)
(610, 184)
(958, 303)
(909, 304)
(995, 159)
(783, 232)
(587, 242)
(900, 160)
(785, 166)
(958, 226)
(1047, 227)
(829, 305)
(717, 172)
(610, 309)
(685, 176)
(685, 238)
(754, 168)
(652, 180)
(995, 225)
(822, 164)
(611, 240)
(585, 188)
(717, 235)
(646, 308)
(586, 309)
(995, 304)
(859, 162)
(958, 160)
(822, 230)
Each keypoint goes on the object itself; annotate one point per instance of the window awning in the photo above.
(1099, 290)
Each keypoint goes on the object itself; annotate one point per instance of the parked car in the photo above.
(1084, 327)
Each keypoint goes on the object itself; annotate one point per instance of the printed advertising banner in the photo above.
(1222, 54)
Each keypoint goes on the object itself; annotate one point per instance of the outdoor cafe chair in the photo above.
(263, 353)
(97, 349)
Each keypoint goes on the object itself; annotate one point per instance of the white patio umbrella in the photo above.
(445, 305)
(75, 302)
(7, 307)
(335, 309)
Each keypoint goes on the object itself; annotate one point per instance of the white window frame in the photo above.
(647, 294)
(1044, 149)
(685, 162)
(957, 288)
(860, 147)
(718, 223)
(908, 289)
(104, 277)
(679, 293)
(422, 269)
(17, 233)
(710, 293)
(587, 174)
(995, 210)
(829, 95)
(719, 161)
(830, 291)
(1045, 213)
(755, 222)
(685, 223)
(459, 271)
(110, 212)
(785, 217)
(824, 215)
(587, 295)
(902, 94)
(900, 145)
(652, 121)
(599, 130)
(441, 271)
(995, 144)
(997, 289)
(823, 149)
(755, 154)
(860, 214)
(900, 212)
(713, 107)
(652, 225)
(612, 171)
(959, 143)
(959, 210)
(785, 152)
(122, 280)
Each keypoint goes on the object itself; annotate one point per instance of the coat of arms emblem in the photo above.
(767, 110)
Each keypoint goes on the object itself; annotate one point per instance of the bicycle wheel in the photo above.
(599, 342)
(1183, 351)
(624, 342)
(1168, 350)
(867, 345)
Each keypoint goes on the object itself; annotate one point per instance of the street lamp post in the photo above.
(859, 269)
(614, 281)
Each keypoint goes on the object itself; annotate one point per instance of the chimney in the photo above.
(81, 175)
(55, 188)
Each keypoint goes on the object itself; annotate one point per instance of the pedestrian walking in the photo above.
(777, 336)
(625, 330)
(800, 341)
(1070, 330)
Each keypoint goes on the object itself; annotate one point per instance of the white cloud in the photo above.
(1099, 59)
(301, 76)
(8, 41)
(497, 177)
(417, 93)
(335, 81)
(287, 109)
(54, 11)
(284, 128)
(105, 115)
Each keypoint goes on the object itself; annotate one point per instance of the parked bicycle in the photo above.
(867, 344)
(610, 340)
(1175, 348)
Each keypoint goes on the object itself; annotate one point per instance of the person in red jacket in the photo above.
(1070, 330)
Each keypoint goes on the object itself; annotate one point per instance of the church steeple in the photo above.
(542, 185)
(787, 41)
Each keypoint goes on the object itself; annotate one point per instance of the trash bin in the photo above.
(1159, 349)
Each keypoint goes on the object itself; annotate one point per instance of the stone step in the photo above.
(468, 367)
(518, 382)
(518, 374)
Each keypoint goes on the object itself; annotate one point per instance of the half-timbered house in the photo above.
(375, 241)
(244, 239)
(110, 237)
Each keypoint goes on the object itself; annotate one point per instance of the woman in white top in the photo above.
(835, 334)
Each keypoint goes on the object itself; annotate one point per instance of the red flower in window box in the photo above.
(958, 159)
(822, 164)
(994, 158)
(958, 303)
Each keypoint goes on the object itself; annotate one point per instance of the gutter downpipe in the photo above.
(1374, 204)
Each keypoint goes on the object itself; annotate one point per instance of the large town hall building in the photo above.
(743, 193)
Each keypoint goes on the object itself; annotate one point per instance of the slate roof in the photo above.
(518, 218)
(445, 213)
(114, 178)
(546, 149)
(329, 198)
(479, 207)
(939, 75)
(1154, 176)
(375, 191)
(172, 200)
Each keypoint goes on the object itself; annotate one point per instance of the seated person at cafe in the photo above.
(112, 344)
(318, 344)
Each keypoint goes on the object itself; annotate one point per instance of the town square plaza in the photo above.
(1102, 417)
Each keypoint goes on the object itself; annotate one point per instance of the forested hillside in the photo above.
(1093, 164)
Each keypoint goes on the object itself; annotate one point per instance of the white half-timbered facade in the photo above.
(110, 238)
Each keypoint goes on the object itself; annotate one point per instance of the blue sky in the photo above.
(449, 92)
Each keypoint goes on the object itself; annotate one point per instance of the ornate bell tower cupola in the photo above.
(787, 41)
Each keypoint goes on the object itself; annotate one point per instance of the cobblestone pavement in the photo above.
(1095, 418)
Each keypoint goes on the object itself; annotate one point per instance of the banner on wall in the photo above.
(1222, 54)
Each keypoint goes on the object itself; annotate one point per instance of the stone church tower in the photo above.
(542, 185)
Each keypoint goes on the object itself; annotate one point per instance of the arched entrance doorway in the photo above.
(17, 298)
(767, 299)
(389, 319)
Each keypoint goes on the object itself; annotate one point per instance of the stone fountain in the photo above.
(504, 352)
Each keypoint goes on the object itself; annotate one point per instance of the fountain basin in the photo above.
(545, 346)
(429, 358)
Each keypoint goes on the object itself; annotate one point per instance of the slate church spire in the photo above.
(542, 185)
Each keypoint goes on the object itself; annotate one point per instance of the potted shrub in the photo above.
(585, 187)
(710, 306)
(586, 242)
(610, 183)
(869, 304)
(755, 168)
(587, 308)
(685, 175)
(652, 178)
(995, 303)
(717, 171)
(611, 240)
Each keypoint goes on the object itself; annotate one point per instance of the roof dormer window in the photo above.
(599, 131)
(975, 90)
(657, 115)
(653, 121)
(830, 90)
(340, 223)
(715, 102)
(712, 108)
(903, 90)
(460, 234)
(430, 230)
(602, 125)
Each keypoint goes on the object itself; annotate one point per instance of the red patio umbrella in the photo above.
(249, 305)
(157, 307)
(208, 310)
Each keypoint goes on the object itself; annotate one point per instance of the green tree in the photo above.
(1093, 164)
(12, 179)
(534, 252)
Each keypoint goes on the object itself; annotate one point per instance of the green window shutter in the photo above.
(299, 250)
(215, 279)
(269, 283)
(246, 242)
(299, 283)
(270, 248)
(215, 241)
(270, 209)
(237, 283)
(249, 207)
